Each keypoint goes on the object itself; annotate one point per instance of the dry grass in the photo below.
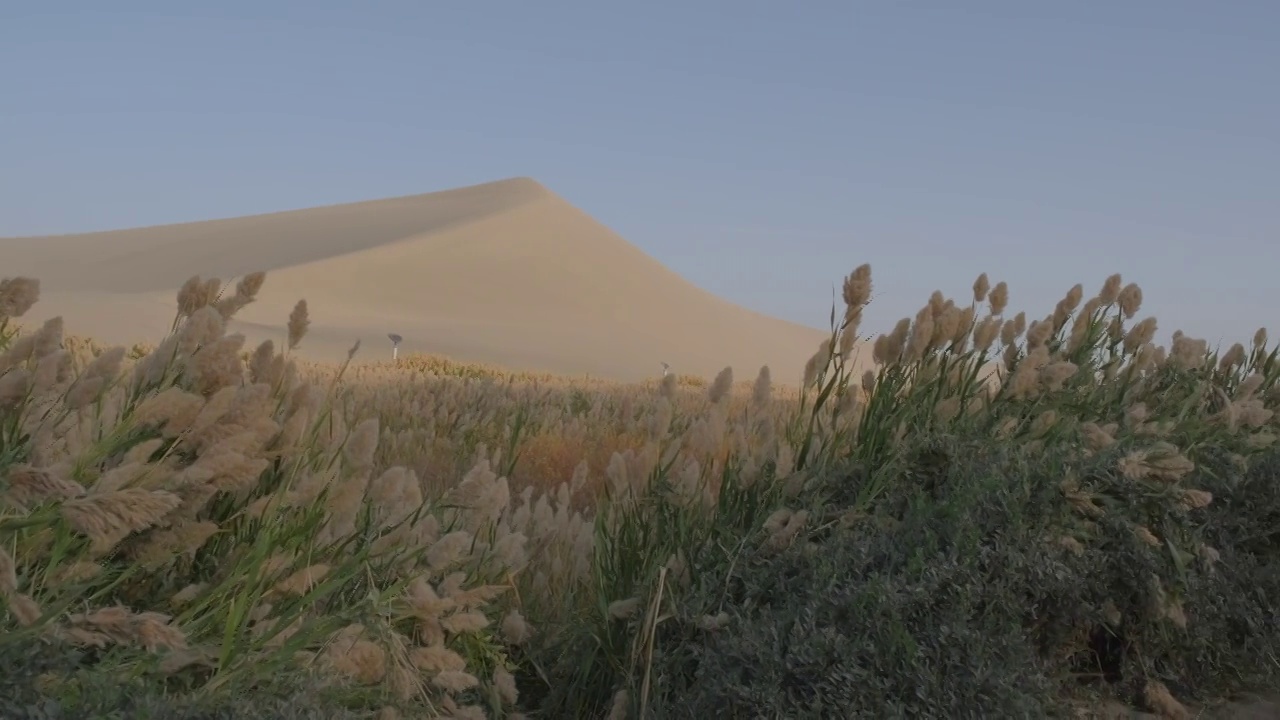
(405, 529)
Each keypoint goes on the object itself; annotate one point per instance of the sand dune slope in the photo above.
(505, 272)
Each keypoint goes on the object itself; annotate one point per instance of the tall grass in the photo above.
(193, 521)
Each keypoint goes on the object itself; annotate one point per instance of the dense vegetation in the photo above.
(989, 518)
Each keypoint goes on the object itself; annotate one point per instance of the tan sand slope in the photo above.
(506, 272)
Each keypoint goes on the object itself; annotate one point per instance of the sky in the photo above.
(760, 149)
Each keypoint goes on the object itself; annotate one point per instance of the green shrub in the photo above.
(959, 597)
(48, 681)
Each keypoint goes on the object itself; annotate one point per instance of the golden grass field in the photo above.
(430, 537)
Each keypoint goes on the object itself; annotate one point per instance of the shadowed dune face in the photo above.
(504, 272)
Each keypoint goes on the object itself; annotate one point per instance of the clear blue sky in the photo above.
(761, 149)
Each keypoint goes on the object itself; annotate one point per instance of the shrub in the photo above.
(960, 599)
(43, 681)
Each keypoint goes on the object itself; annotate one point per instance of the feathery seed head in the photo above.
(1139, 335)
(192, 296)
(1143, 533)
(660, 422)
(1136, 413)
(25, 609)
(1110, 289)
(667, 387)
(1056, 374)
(246, 292)
(1130, 300)
(149, 630)
(945, 327)
(361, 445)
(1039, 333)
(449, 550)
(250, 284)
(1250, 385)
(1252, 413)
(216, 365)
(505, 683)
(947, 409)
(921, 334)
(362, 660)
(203, 327)
(998, 298)
(1090, 310)
(1209, 555)
(173, 409)
(1010, 355)
(1161, 462)
(183, 539)
(722, 386)
(848, 338)
(1188, 353)
(1043, 423)
(880, 350)
(888, 348)
(901, 334)
(456, 681)
(981, 287)
(263, 367)
(436, 658)
(1095, 437)
(1233, 358)
(29, 486)
(17, 296)
(1081, 326)
(299, 321)
(302, 581)
(624, 609)
(1193, 499)
(937, 304)
(95, 378)
(48, 339)
(515, 629)
(763, 389)
(1159, 698)
(1074, 296)
(812, 368)
(107, 364)
(1008, 332)
(20, 351)
(15, 386)
(964, 326)
(107, 518)
(857, 287)
(52, 370)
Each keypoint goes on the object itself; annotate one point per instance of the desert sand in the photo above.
(505, 272)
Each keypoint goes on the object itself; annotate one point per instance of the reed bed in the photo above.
(198, 520)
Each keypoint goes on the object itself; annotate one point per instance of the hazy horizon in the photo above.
(758, 152)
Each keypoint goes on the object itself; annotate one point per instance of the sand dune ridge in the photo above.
(505, 272)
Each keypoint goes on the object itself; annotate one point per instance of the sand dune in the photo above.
(505, 272)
